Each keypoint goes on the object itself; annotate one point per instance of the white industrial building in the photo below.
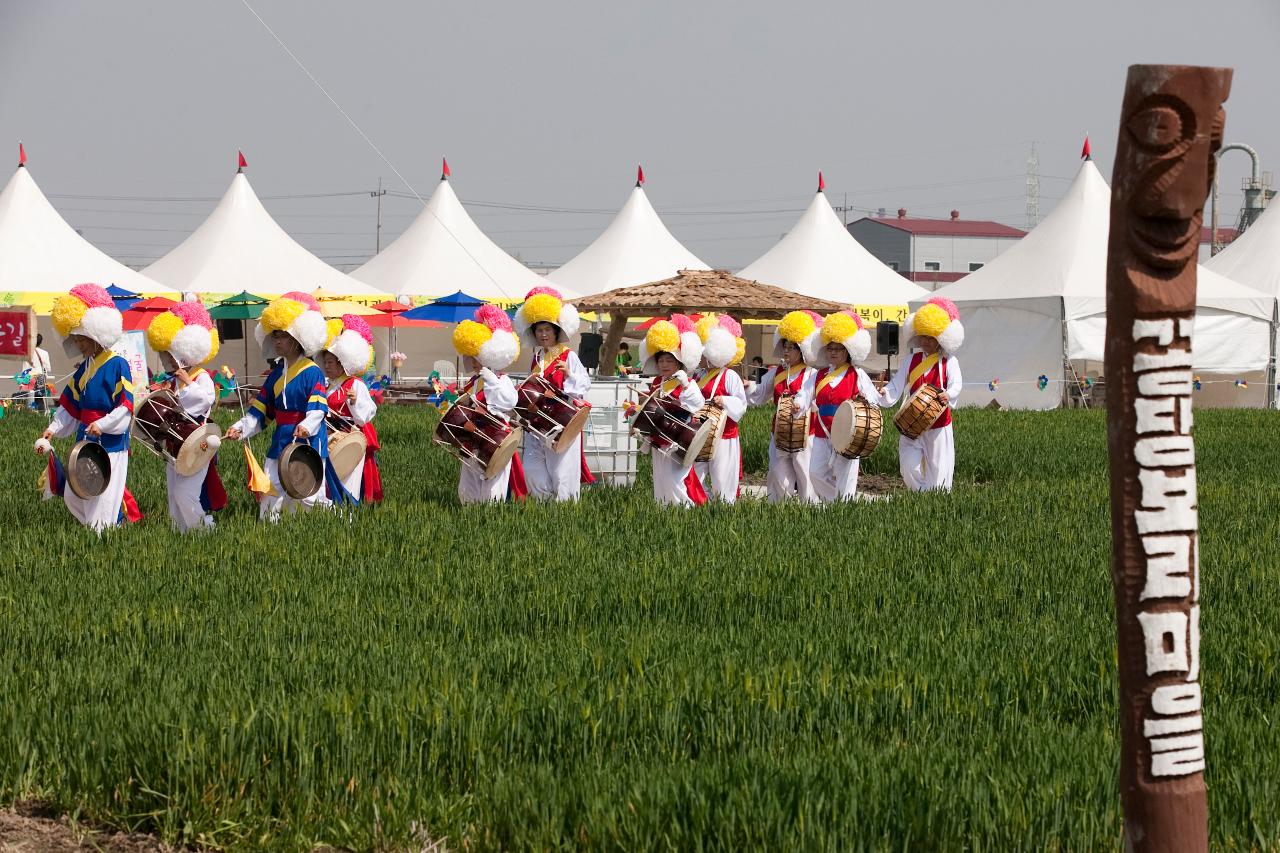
(933, 252)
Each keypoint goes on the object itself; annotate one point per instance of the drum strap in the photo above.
(920, 370)
(783, 379)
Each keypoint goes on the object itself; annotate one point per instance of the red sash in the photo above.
(937, 377)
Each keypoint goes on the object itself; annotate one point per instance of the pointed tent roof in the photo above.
(636, 248)
(41, 253)
(819, 257)
(1253, 258)
(240, 247)
(1066, 255)
(443, 250)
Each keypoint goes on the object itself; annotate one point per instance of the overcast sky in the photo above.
(732, 107)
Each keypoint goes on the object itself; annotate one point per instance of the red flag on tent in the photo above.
(639, 176)
(822, 185)
(1086, 153)
(244, 164)
(22, 155)
(444, 171)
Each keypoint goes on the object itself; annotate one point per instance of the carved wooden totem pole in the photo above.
(1170, 126)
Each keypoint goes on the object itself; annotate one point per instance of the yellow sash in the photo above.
(548, 358)
(781, 380)
(926, 364)
(709, 381)
(831, 377)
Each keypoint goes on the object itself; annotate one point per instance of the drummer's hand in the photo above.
(182, 374)
(93, 429)
(234, 433)
(680, 376)
(942, 395)
(301, 432)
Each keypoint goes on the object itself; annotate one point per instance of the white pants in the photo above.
(928, 462)
(668, 480)
(789, 475)
(103, 511)
(550, 474)
(271, 506)
(184, 500)
(834, 477)
(473, 488)
(722, 483)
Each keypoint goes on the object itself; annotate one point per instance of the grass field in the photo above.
(925, 672)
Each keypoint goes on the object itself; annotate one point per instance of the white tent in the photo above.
(443, 251)
(819, 257)
(1253, 259)
(41, 254)
(1045, 299)
(636, 248)
(240, 247)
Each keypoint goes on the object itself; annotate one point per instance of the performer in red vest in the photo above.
(722, 348)
(796, 343)
(186, 339)
(835, 477)
(488, 346)
(669, 349)
(345, 358)
(546, 324)
(934, 333)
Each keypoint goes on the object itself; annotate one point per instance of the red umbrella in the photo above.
(142, 313)
(390, 317)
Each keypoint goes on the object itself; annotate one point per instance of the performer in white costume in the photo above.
(293, 328)
(934, 333)
(488, 346)
(187, 340)
(97, 403)
(796, 343)
(669, 349)
(545, 324)
(835, 477)
(345, 358)
(722, 349)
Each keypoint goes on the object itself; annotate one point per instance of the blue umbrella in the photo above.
(453, 308)
(124, 299)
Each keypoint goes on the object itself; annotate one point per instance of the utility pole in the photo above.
(1033, 189)
(843, 210)
(377, 234)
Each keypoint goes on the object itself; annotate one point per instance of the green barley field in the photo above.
(928, 672)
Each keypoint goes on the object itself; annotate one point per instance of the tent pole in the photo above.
(1271, 363)
(1067, 368)
(244, 335)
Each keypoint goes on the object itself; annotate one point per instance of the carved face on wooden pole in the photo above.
(1171, 124)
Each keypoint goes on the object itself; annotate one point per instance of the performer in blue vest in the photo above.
(293, 328)
(97, 403)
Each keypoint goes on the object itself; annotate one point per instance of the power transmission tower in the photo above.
(377, 234)
(1033, 189)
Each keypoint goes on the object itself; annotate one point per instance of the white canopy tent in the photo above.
(1043, 301)
(240, 247)
(41, 254)
(819, 257)
(443, 251)
(1253, 259)
(636, 248)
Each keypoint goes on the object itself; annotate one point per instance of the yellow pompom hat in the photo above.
(88, 311)
(546, 305)
(678, 336)
(350, 340)
(186, 332)
(297, 314)
(846, 328)
(801, 328)
(722, 341)
(937, 318)
(489, 338)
